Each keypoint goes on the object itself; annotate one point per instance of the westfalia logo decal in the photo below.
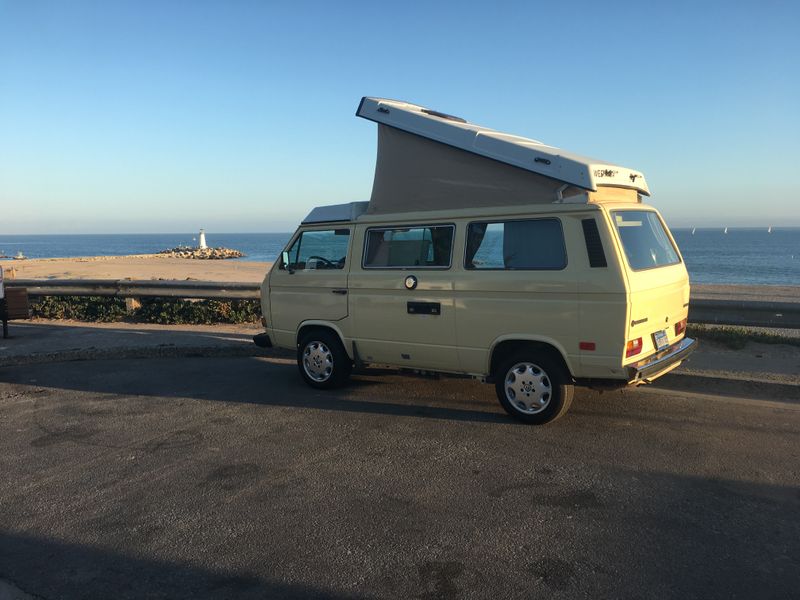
(605, 173)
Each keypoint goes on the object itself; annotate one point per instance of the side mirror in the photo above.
(286, 265)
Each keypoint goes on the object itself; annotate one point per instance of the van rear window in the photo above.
(646, 243)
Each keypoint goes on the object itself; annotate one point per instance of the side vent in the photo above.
(441, 115)
(594, 245)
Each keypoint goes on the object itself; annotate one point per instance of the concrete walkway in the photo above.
(45, 341)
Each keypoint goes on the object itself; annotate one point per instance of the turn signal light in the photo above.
(633, 348)
(680, 327)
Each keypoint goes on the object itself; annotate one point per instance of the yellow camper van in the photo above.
(484, 254)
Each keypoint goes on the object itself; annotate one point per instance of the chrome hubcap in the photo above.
(528, 388)
(318, 361)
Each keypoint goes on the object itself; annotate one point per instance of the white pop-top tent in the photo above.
(429, 160)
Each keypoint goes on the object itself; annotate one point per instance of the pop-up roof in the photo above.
(428, 160)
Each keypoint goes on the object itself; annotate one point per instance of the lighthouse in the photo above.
(202, 238)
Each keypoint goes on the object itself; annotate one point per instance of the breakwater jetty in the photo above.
(201, 253)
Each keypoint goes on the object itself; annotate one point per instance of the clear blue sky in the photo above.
(154, 116)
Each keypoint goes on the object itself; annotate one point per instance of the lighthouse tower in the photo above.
(202, 238)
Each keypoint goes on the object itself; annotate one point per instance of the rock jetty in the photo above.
(201, 253)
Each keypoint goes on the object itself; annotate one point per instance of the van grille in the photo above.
(594, 245)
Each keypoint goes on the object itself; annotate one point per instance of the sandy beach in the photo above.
(154, 266)
(146, 266)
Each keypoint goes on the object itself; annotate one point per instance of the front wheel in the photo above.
(322, 360)
(533, 388)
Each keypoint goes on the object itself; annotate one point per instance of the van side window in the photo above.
(319, 250)
(395, 247)
(529, 244)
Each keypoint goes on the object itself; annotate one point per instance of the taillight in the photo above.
(633, 348)
(680, 327)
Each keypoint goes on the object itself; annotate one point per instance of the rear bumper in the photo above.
(661, 363)
(262, 340)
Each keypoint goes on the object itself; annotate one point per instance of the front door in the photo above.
(313, 285)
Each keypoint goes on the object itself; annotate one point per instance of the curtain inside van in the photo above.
(475, 235)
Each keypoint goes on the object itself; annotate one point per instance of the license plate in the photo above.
(661, 340)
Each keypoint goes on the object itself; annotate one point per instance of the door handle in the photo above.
(424, 308)
(341, 291)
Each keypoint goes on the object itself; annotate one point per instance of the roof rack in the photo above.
(336, 212)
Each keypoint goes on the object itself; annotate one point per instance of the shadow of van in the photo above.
(269, 381)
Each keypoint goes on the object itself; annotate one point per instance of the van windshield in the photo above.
(644, 239)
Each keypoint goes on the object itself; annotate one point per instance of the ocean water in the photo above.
(742, 256)
(256, 246)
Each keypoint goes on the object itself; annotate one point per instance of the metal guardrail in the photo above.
(701, 310)
(125, 288)
(747, 313)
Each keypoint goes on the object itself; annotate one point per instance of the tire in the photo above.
(322, 360)
(533, 388)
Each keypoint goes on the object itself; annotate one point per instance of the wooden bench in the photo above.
(14, 307)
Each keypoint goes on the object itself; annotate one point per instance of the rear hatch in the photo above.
(658, 284)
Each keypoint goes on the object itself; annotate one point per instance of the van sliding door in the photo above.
(401, 297)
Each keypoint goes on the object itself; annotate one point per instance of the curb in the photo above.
(136, 353)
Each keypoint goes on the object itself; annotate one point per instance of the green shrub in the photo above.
(166, 311)
(89, 308)
(198, 312)
(736, 338)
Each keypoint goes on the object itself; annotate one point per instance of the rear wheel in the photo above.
(322, 360)
(533, 388)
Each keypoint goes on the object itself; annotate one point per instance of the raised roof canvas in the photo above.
(414, 173)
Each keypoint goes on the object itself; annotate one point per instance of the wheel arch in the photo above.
(505, 346)
(311, 325)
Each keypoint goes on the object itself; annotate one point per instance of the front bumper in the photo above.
(657, 365)
(262, 340)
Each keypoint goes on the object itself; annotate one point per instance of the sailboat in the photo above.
(693, 230)
(726, 230)
(769, 230)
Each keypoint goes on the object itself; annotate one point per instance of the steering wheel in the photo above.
(328, 263)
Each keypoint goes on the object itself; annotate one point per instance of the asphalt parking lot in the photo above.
(227, 477)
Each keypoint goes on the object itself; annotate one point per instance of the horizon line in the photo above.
(213, 232)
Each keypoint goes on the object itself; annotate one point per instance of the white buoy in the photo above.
(202, 236)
